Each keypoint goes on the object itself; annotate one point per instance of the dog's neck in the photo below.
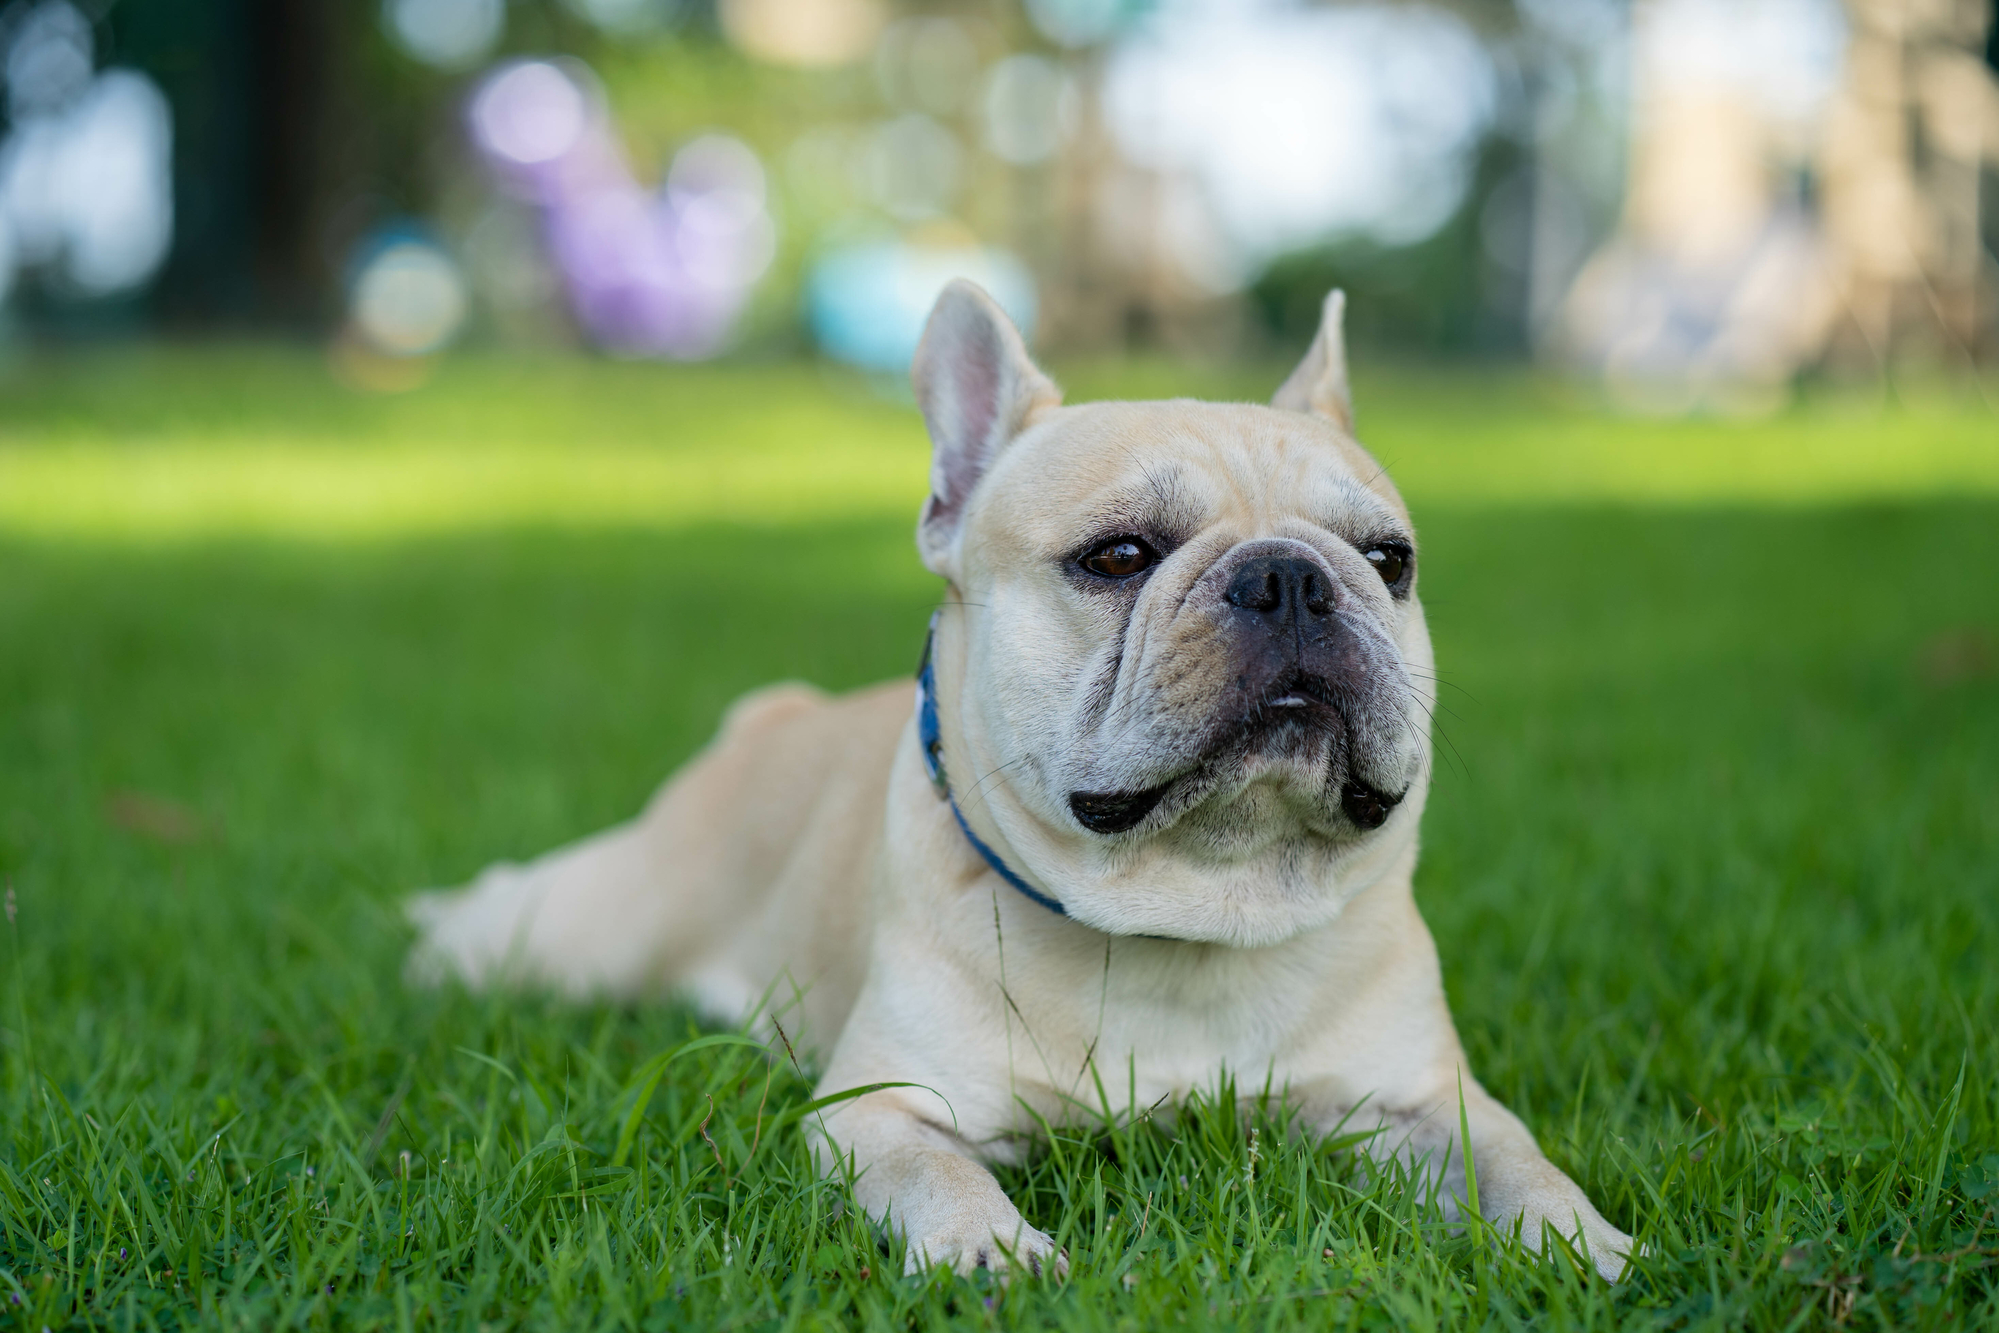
(929, 735)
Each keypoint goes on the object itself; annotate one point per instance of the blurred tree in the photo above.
(297, 127)
(1445, 294)
(1462, 291)
(249, 82)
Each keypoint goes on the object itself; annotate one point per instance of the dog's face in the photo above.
(1186, 677)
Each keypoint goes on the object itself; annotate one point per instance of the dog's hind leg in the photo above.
(628, 912)
(585, 919)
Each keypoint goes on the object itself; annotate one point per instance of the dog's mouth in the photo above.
(1297, 698)
(1295, 709)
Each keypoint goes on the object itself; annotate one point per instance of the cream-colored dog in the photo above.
(1152, 807)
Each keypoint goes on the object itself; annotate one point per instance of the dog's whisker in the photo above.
(991, 773)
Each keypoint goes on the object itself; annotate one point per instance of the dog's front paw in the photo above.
(1610, 1250)
(1001, 1248)
(1613, 1251)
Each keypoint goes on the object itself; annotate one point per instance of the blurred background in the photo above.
(1692, 201)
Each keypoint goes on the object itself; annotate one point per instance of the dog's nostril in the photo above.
(1316, 600)
(1274, 583)
(1257, 588)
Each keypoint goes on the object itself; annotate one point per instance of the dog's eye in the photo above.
(1388, 561)
(1119, 558)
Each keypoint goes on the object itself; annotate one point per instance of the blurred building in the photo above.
(1806, 185)
(1906, 166)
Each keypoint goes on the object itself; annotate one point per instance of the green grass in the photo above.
(1710, 859)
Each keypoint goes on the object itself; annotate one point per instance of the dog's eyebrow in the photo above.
(1160, 504)
(1361, 509)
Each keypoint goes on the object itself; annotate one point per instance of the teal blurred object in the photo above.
(867, 303)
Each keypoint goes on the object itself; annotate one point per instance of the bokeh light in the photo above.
(408, 297)
(716, 189)
(1029, 109)
(927, 64)
(913, 167)
(86, 188)
(530, 113)
(868, 302)
(1081, 22)
(629, 18)
(449, 34)
(810, 34)
(646, 273)
(49, 59)
(1301, 123)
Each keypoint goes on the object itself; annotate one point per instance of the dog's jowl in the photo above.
(1159, 781)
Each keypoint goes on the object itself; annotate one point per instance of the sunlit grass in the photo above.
(269, 443)
(179, 443)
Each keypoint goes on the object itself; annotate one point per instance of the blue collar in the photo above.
(933, 764)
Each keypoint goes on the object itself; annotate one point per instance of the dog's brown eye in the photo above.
(1119, 558)
(1388, 562)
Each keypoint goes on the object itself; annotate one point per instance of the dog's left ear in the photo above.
(1319, 384)
(978, 389)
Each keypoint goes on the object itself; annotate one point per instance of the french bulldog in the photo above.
(1151, 808)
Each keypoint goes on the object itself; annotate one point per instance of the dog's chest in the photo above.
(1164, 1020)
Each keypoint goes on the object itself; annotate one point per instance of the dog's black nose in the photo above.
(1285, 588)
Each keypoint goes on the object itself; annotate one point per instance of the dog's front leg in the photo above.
(922, 1179)
(1516, 1182)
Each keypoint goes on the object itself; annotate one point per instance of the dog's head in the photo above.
(1183, 677)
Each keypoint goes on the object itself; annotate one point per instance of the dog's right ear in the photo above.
(1319, 384)
(978, 388)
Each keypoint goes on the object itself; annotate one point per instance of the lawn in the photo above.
(1710, 858)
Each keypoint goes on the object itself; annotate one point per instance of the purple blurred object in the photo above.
(646, 274)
